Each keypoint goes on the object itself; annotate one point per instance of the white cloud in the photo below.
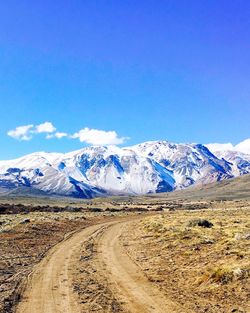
(57, 135)
(86, 135)
(243, 146)
(26, 132)
(60, 135)
(46, 127)
(98, 137)
(21, 132)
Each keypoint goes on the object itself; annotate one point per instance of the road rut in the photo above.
(50, 289)
(127, 281)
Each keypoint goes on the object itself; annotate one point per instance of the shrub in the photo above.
(201, 223)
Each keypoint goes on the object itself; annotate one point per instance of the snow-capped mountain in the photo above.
(189, 163)
(86, 173)
(150, 167)
(239, 162)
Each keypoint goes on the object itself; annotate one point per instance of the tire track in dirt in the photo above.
(130, 286)
(50, 287)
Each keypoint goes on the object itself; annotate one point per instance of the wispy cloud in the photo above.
(57, 135)
(85, 135)
(243, 146)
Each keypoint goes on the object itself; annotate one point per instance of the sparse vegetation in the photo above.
(197, 252)
(24, 239)
(200, 258)
(225, 274)
(200, 222)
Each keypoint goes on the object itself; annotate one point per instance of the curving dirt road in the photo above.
(127, 281)
(49, 289)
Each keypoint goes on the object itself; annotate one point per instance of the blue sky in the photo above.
(146, 70)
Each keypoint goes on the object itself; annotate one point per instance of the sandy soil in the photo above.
(26, 238)
(161, 262)
(126, 280)
(50, 287)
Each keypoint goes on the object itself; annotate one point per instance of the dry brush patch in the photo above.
(200, 259)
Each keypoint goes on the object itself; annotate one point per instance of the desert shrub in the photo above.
(200, 222)
(96, 210)
(72, 209)
(225, 274)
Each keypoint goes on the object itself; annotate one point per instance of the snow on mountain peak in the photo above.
(149, 167)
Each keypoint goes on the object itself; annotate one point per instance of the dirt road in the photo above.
(126, 279)
(49, 289)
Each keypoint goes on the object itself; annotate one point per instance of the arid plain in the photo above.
(186, 251)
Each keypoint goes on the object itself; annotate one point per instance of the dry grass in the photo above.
(205, 268)
(225, 274)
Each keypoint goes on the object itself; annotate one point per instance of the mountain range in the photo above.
(150, 167)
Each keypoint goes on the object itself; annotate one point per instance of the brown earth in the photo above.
(203, 269)
(49, 289)
(115, 262)
(108, 280)
(25, 240)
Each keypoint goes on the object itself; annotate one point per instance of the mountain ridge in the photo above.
(149, 167)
